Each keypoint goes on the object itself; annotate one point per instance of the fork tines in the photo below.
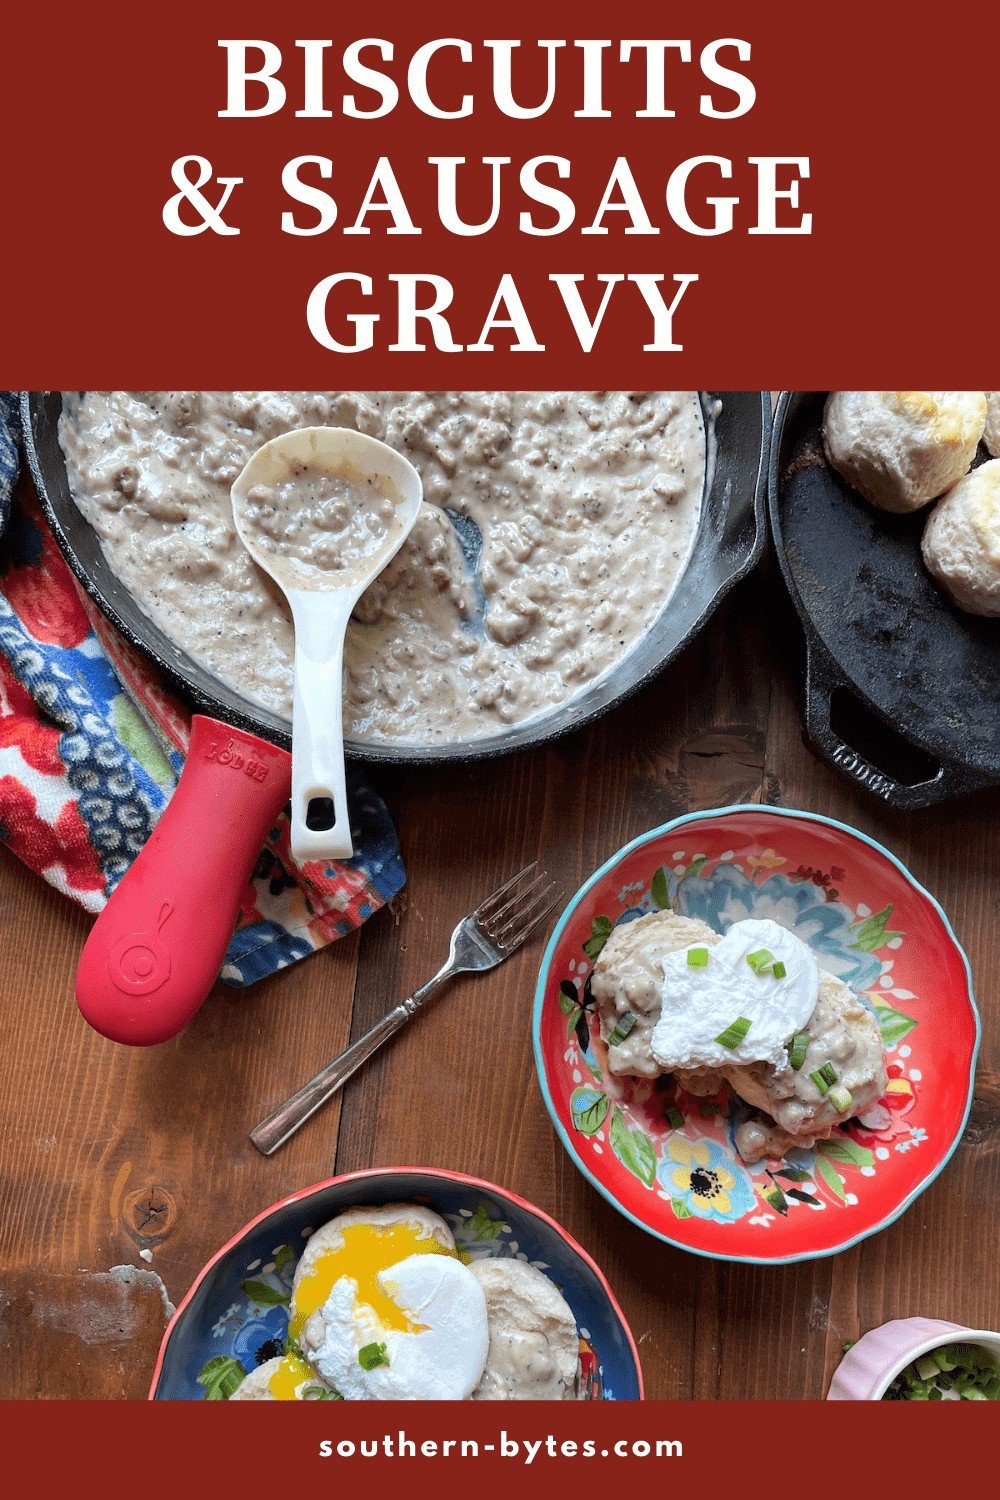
(516, 908)
(488, 907)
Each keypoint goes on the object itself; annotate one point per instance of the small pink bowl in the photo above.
(869, 1368)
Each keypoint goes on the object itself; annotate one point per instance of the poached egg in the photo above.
(438, 1355)
(719, 988)
(371, 1302)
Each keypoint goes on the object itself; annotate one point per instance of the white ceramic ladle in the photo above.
(321, 600)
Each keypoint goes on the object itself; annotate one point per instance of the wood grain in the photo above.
(106, 1152)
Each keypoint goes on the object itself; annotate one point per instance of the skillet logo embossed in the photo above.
(876, 782)
(140, 963)
(226, 755)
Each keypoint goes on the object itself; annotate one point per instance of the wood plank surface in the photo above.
(105, 1152)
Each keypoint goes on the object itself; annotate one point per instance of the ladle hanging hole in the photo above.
(320, 814)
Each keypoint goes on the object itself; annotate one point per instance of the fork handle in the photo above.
(284, 1121)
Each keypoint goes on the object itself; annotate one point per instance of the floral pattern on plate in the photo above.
(667, 1159)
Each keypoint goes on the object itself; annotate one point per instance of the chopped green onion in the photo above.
(820, 1082)
(829, 1072)
(697, 958)
(842, 1099)
(967, 1372)
(734, 1033)
(778, 969)
(797, 1049)
(760, 961)
(674, 1118)
(372, 1355)
(972, 1354)
(320, 1393)
(623, 1028)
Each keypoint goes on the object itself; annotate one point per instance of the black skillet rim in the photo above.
(204, 703)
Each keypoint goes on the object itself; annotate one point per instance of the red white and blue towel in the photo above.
(92, 743)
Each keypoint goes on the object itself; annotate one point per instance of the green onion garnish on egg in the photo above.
(734, 1033)
(760, 961)
(820, 1082)
(370, 1356)
(797, 1049)
(697, 958)
(841, 1099)
(623, 1028)
(829, 1072)
(778, 969)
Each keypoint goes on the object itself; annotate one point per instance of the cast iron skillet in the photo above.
(730, 540)
(156, 948)
(916, 680)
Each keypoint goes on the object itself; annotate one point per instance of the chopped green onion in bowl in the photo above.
(953, 1372)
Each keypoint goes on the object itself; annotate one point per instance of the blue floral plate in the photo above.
(667, 1160)
(236, 1314)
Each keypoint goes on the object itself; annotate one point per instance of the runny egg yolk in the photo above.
(364, 1251)
(292, 1373)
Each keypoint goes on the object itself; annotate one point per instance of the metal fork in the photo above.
(483, 939)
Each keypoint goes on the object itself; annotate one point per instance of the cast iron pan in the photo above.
(902, 689)
(730, 540)
(156, 948)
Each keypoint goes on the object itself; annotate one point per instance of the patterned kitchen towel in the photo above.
(10, 436)
(91, 745)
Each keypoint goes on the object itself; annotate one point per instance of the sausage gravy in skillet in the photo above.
(556, 524)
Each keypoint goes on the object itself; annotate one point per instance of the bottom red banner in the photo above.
(528, 1445)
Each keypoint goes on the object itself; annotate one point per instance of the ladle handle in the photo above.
(318, 772)
(156, 949)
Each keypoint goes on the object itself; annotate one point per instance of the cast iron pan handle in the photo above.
(156, 949)
(822, 681)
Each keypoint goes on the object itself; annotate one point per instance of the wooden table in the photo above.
(106, 1151)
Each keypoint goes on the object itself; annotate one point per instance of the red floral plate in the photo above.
(667, 1160)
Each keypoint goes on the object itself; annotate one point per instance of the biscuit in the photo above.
(534, 1345)
(961, 542)
(991, 436)
(901, 449)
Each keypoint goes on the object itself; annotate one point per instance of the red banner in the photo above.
(765, 196)
(491, 1449)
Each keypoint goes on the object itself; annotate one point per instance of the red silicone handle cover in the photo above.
(157, 947)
